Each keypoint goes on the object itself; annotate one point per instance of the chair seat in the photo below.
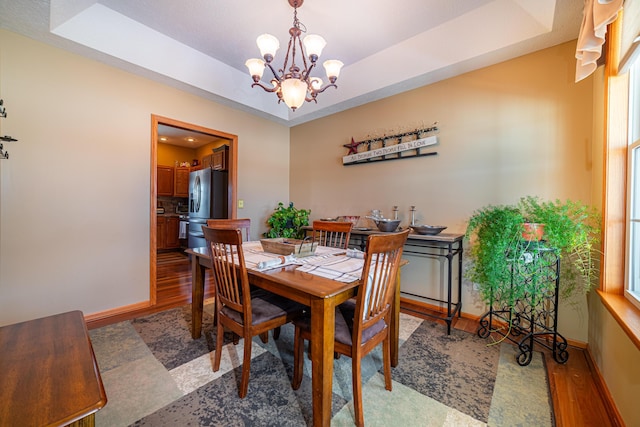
(344, 324)
(266, 307)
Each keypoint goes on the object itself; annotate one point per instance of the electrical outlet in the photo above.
(240, 204)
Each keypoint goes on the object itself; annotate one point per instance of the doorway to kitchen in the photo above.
(177, 149)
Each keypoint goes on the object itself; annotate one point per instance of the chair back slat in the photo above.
(244, 224)
(229, 270)
(332, 233)
(382, 260)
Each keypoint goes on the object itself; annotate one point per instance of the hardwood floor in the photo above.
(577, 401)
(173, 279)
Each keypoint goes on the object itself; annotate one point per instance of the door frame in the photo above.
(232, 186)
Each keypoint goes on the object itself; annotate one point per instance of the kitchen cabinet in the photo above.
(161, 232)
(220, 158)
(181, 182)
(173, 228)
(173, 182)
(167, 230)
(165, 180)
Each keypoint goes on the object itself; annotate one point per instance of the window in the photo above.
(632, 288)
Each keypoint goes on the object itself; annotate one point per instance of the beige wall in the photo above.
(518, 128)
(74, 195)
(617, 359)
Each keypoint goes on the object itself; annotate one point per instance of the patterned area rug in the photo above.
(156, 375)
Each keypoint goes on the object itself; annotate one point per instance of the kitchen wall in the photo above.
(168, 154)
(519, 128)
(75, 194)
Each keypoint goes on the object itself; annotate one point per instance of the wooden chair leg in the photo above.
(276, 333)
(298, 361)
(246, 368)
(219, 343)
(357, 389)
(264, 337)
(386, 362)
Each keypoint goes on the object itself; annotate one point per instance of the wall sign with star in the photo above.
(393, 147)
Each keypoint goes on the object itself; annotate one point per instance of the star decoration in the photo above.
(353, 147)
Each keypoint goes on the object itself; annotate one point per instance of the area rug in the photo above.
(155, 374)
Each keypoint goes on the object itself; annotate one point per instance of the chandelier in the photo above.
(293, 85)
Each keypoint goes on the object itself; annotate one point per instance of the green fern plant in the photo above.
(572, 228)
(497, 249)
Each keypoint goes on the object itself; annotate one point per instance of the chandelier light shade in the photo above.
(293, 85)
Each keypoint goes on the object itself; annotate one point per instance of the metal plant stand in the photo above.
(531, 319)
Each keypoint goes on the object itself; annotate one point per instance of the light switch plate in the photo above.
(240, 204)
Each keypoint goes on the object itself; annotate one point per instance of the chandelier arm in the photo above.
(268, 89)
(273, 71)
(307, 71)
(325, 88)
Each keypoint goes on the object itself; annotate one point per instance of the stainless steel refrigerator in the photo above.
(208, 198)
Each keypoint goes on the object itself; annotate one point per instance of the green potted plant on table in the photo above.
(499, 244)
(287, 222)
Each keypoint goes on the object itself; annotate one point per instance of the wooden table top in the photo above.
(289, 276)
(48, 372)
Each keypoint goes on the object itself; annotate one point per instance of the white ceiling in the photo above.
(387, 46)
(185, 138)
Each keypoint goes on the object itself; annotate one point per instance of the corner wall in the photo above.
(518, 128)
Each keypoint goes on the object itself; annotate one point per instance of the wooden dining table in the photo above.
(320, 294)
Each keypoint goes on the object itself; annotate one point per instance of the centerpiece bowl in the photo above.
(428, 229)
(387, 225)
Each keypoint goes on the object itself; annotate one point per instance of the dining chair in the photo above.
(236, 308)
(362, 323)
(244, 224)
(332, 233)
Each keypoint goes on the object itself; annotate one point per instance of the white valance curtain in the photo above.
(630, 35)
(596, 16)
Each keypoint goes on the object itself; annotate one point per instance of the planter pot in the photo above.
(532, 231)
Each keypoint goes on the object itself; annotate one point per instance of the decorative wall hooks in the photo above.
(403, 145)
(6, 138)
